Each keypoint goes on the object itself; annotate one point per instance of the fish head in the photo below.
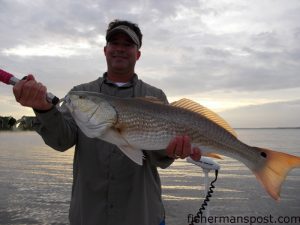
(91, 112)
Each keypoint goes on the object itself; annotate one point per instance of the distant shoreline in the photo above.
(266, 128)
(236, 128)
(26, 123)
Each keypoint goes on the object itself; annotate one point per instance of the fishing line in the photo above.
(198, 215)
(207, 164)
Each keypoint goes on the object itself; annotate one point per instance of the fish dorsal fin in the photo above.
(197, 108)
(151, 99)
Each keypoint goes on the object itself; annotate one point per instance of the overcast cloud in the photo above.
(224, 54)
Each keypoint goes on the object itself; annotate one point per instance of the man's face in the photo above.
(121, 54)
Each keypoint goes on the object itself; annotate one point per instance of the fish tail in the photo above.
(273, 173)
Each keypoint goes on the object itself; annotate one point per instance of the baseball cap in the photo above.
(126, 30)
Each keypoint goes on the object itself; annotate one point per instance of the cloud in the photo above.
(50, 49)
(277, 114)
(218, 51)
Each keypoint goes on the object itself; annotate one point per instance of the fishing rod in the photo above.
(207, 164)
(8, 78)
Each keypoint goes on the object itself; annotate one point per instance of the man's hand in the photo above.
(31, 93)
(180, 147)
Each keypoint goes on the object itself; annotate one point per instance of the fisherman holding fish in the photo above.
(108, 187)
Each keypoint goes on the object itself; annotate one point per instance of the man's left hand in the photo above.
(180, 147)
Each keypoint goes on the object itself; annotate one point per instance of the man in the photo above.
(108, 188)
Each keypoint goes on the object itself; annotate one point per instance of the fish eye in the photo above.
(263, 154)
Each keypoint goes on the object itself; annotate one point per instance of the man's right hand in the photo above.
(32, 94)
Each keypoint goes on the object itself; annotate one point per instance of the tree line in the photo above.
(10, 123)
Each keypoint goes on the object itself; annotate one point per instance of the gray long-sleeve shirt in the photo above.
(108, 188)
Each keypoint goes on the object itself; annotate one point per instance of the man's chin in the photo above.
(120, 66)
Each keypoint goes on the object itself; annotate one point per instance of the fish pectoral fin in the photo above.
(276, 167)
(113, 136)
(213, 155)
(209, 151)
(136, 155)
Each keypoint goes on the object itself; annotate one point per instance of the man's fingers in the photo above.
(29, 92)
(179, 147)
(37, 92)
(18, 87)
(30, 77)
(186, 148)
(196, 154)
(171, 148)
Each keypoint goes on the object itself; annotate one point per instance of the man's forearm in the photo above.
(58, 130)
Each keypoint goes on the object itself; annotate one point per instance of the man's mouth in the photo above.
(119, 56)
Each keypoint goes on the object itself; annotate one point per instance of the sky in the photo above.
(239, 58)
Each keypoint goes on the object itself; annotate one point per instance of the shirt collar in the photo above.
(130, 83)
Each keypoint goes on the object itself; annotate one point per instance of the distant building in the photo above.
(7, 122)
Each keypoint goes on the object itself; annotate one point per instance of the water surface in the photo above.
(35, 182)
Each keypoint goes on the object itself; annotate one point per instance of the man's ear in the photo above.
(138, 55)
(104, 50)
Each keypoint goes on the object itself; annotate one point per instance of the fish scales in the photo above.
(137, 124)
(143, 121)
